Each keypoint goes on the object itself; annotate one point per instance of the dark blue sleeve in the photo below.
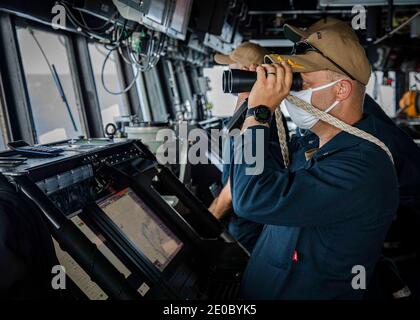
(311, 196)
(274, 138)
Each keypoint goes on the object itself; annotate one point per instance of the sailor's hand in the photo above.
(213, 206)
(272, 85)
(223, 203)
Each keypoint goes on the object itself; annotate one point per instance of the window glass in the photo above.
(223, 103)
(414, 80)
(53, 120)
(111, 105)
(383, 94)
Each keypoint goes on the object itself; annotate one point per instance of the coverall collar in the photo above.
(344, 140)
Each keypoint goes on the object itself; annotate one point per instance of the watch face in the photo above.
(262, 114)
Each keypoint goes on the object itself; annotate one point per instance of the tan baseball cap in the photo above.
(296, 34)
(339, 46)
(245, 54)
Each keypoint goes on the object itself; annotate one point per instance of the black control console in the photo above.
(117, 236)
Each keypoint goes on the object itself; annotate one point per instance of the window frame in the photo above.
(121, 76)
(18, 115)
(5, 128)
(17, 102)
(69, 48)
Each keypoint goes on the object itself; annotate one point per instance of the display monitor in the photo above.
(170, 17)
(142, 227)
(180, 19)
(157, 11)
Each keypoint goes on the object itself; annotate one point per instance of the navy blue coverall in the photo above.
(405, 152)
(321, 220)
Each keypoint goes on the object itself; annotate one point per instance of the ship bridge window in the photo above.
(223, 104)
(384, 94)
(55, 107)
(112, 104)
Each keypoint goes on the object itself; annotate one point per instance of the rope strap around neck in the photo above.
(281, 131)
(337, 123)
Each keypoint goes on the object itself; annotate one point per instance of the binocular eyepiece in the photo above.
(237, 81)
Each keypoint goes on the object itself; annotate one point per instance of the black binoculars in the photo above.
(237, 81)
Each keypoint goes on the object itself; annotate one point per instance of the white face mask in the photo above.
(301, 118)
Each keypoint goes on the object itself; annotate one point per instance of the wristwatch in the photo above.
(260, 113)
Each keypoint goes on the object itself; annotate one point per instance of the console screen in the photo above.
(142, 227)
